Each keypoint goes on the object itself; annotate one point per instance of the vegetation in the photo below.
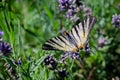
(26, 25)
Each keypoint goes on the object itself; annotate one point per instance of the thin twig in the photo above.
(91, 73)
(81, 66)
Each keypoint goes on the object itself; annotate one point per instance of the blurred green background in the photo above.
(28, 24)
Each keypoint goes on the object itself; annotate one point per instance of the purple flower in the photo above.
(72, 7)
(62, 73)
(63, 57)
(72, 55)
(5, 48)
(116, 20)
(1, 33)
(87, 11)
(63, 1)
(11, 70)
(102, 42)
(118, 6)
(70, 13)
(50, 62)
(18, 62)
(75, 56)
(64, 4)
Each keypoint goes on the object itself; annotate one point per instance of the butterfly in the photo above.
(74, 40)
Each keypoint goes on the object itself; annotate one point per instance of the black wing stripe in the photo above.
(80, 27)
(65, 40)
(90, 21)
(50, 43)
(58, 39)
(48, 47)
(73, 34)
(72, 40)
(64, 36)
(55, 42)
(61, 39)
(83, 27)
(76, 29)
(68, 38)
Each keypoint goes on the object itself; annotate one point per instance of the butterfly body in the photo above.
(74, 40)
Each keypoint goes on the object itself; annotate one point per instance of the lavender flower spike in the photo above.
(1, 33)
(5, 48)
(70, 13)
(63, 4)
(50, 62)
(116, 20)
